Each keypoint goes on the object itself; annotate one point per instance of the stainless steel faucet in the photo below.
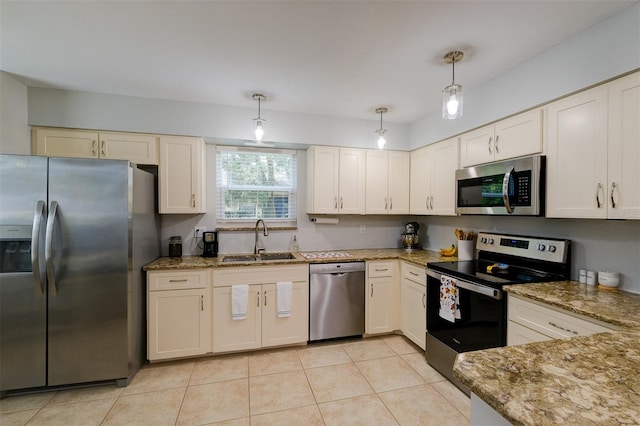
(258, 249)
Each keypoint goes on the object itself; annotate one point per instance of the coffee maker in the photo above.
(210, 241)
(410, 236)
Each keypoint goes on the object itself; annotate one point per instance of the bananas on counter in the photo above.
(451, 251)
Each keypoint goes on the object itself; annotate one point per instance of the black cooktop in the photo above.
(476, 271)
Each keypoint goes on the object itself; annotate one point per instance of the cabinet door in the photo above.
(399, 164)
(576, 152)
(65, 143)
(623, 189)
(138, 148)
(414, 311)
(351, 186)
(519, 135)
(420, 182)
(520, 335)
(476, 146)
(444, 163)
(322, 179)
(283, 331)
(180, 175)
(377, 186)
(235, 335)
(380, 305)
(177, 324)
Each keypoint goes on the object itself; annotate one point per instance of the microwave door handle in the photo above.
(48, 248)
(505, 190)
(35, 247)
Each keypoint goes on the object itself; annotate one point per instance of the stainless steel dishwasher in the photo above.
(336, 300)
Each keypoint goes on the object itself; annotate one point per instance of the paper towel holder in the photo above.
(324, 220)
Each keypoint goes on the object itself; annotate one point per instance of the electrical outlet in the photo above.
(198, 230)
(363, 229)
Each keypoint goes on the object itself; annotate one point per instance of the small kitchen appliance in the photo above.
(410, 236)
(478, 317)
(210, 241)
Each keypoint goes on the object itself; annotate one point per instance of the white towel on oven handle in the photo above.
(449, 299)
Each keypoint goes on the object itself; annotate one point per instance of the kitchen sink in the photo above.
(257, 257)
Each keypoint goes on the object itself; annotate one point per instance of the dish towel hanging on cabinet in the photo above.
(239, 299)
(284, 293)
(449, 299)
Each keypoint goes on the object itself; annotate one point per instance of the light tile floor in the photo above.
(373, 381)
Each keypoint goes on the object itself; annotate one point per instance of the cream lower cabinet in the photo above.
(382, 297)
(178, 314)
(262, 327)
(531, 321)
(413, 306)
(136, 147)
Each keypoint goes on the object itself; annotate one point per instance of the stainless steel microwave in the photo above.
(511, 187)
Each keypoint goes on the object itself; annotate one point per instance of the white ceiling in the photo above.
(336, 58)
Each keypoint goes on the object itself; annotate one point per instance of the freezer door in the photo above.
(88, 253)
(23, 195)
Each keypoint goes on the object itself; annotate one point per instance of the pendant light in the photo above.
(259, 131)
(381, 140)
(452, 94)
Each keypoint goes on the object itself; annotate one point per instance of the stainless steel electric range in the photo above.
(466, 304)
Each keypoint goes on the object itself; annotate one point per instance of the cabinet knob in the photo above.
(496, 145)
(489, 145)
(613, 201)
(598, 189)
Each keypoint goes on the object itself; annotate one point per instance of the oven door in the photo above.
(483, 316)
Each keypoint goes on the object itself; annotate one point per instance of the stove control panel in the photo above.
(548, 249)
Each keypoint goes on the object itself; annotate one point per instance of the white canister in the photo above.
(608, 279)
(465, 249)
(583, 276)
(591, 278)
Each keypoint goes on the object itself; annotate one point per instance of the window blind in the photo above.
(255, 184)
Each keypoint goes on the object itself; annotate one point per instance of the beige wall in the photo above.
(14, 128)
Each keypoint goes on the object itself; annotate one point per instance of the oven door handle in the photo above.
(505, 190)
(494, 293)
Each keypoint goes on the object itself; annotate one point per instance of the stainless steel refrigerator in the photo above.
(74, 234)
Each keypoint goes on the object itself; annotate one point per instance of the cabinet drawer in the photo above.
(225, 277)
(414, 273)
(551, 322)
(380, 269)
(176, 280)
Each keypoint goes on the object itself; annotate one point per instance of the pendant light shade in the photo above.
(452, 99)
(259, 131)
(381, 140)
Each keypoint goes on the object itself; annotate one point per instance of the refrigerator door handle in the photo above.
(48, 249)
(35, 247)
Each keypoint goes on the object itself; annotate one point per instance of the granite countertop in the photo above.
(417, 257)
(582, 380)
(615, 307)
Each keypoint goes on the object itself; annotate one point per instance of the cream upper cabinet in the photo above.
(262, 327)
(432, 182)
(181, 175)
(413, 303)
(382, 297)
(509, 138)
(178, 314)
(136, 147)
(593, 152)
(335, 180)
(531, 321)
(387, 182)
(623, 165)
(65, 143)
